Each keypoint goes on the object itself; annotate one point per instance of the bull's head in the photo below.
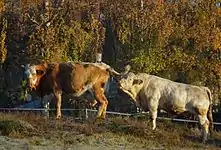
(33, 74)
(131, 84)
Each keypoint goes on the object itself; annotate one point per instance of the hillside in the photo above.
(29, 131)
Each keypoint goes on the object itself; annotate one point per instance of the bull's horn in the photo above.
(25, 66)
(127, 69)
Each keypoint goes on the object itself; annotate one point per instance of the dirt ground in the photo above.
(22, 132)
(7, 143)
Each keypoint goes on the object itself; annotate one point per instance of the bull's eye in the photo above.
(39, 72)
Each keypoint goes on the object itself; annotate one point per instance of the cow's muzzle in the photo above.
(30, 87)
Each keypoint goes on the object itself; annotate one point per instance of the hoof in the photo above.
(58, 117)
(99, 120)
(45, 117)
(203, 141)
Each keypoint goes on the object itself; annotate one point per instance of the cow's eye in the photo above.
(39, 72)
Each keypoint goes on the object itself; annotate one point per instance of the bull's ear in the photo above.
(137, 81)
(45, 64)
(25, 66)
(127, 68)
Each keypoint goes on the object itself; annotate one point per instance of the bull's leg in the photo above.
(103, 115)
(58, 104)
(101, 98)
(153, 106)
(153, 114)
(204, 122)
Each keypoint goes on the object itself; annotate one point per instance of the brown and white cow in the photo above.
(154, 93)
(50, 80)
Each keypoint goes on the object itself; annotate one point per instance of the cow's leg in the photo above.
(204, 122)
(58, 104)
(153, 106)
(94, 101)
(101, 98)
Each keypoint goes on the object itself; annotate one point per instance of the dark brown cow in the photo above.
(51, 79)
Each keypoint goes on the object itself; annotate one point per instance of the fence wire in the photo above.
(90, 111)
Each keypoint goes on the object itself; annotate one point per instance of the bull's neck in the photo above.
(135, 91)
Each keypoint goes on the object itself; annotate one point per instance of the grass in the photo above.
(117, 132)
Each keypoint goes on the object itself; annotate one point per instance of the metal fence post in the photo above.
(46, 105)
(86, 114)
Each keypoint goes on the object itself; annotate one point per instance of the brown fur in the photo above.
(72, 78)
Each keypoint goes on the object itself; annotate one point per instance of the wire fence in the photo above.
(87, 113)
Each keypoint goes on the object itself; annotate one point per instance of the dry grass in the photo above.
(113, 133)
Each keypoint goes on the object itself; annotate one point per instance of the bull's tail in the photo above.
(112, 71)
(209, 113)
(210, 117)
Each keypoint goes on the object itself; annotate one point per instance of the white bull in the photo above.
(152, 93)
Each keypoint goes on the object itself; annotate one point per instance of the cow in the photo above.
(153, 93)
(50, 80)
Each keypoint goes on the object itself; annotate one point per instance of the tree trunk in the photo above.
(46, 6)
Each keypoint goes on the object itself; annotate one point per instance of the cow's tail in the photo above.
(115, 73)
(209, 113)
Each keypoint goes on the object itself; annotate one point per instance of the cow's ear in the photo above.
(137, 81)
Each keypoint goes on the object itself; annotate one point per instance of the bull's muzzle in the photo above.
(30, 87)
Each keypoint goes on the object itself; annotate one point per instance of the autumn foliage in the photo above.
(178, 40)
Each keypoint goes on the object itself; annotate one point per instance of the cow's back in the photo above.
(70, 77)
(74, 77)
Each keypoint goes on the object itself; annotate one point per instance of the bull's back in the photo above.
(74, 77)
(173, 94)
